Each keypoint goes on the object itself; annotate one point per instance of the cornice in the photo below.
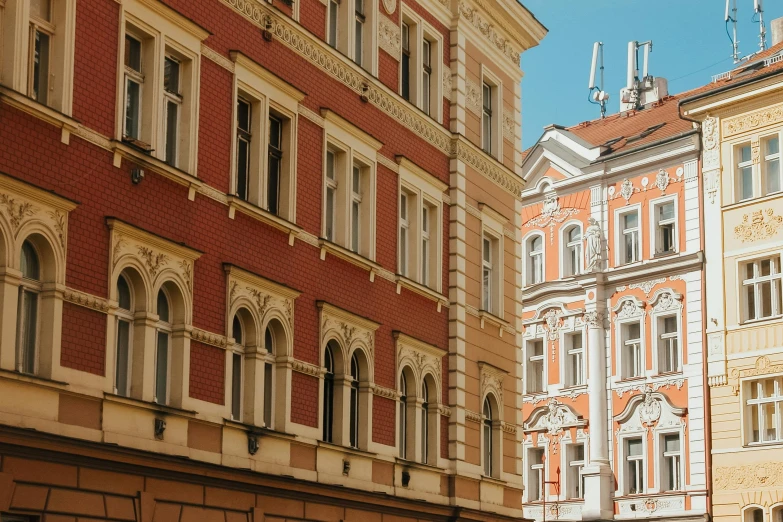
(205, 337)
(93, 302)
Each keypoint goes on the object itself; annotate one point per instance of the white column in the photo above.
(598, 474)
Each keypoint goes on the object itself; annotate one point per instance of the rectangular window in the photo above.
(404, 234)
(635, 468)
(334, 9)
(745, 173)
(762, 289)
(41, 35)
(172, 100)
(331, 194)
(425, 245)
(576, 464)
(535, 367)
(27, 328)
(764, 408)
(486, 119)
(356, 207)
(426, 76)
(668, 347)
(123, 358)
(274, 165)
(487, 264)
(134, 81)
(162, 368)
(535, 477)
(665, 228)
(573, 251)
(268, 393)
(671, 463)
(576, 361)
(244, 142)
(772, 168)
(359, 19)
(405, 64)
(633, 355)
(629, 225)
(236, 386)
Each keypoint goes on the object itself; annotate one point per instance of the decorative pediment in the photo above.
(629, 307)
(762, 367)
(551, 215)
(553, 418)
(349, 330)
(491, 381)
(649, 409)
(666, 299)
(421, 357)
(265, 298)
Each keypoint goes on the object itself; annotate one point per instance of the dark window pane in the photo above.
(41, 67)
(172, 112)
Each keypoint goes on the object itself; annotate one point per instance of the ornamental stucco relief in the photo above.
(758, 225)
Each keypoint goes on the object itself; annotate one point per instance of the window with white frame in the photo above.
(668, 344)
(353, 408)
(237, 368)
(349, 26)
(753, 514)
(572, 251)
(773, 177)
(265, 137)
(635, 468)
(764, 407)
(535, 475)
(575, 360)
(28, 324)
(535, 262)
(535, 366)
(403, 416)
(158, 97)
(36, 53)
(272, 337)
(349, 187)
(745, 177)
(671, 463)
(665, 235)
(762, 293)
(629, 247)
(632, 350)
(576, 464)
(420, 64)
(125, 319)
(490, 274)
(487, 131)
(162, 348)
(776, 514)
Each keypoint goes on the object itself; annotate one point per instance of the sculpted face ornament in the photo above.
(650, 409)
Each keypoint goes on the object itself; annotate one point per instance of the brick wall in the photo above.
(383, 421)
(83, 339)
(304, 399)
(207, 373)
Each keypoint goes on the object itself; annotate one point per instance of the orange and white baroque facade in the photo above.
(613, 405)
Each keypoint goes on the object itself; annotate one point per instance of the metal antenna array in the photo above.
(758, 9)
(731, 7)
(597, 95)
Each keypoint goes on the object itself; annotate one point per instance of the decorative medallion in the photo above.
(390, 6)
(759, 224)
(650, 409)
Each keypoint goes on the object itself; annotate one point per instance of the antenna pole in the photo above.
(601, 58)
(733, 19)
(762, 30)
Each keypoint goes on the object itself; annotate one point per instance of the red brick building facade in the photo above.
(260, 260)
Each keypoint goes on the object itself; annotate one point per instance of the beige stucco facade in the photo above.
(741, 128)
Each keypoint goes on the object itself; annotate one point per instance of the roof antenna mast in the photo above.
(597, 95)
(731, 8)
(759, 10)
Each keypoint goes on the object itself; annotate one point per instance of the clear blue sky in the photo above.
(689, 46)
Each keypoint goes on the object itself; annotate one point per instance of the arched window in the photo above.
(162, 354)
(237, 332)
(354, 410)
(328, 406)
(27, 320)
(776, 514)
(535, 271)
(425, 425)
(488, 449)
(754, 514)
(124, 327)
(572, 251)
(269, 343)
(403, 416)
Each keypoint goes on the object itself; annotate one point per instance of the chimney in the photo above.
(776, 28)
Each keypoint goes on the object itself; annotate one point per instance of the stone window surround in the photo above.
(268, 92)
(167, 29)
(527, 261)
(654, 204)
(622, 318)
(563, 249)
(263, 301)
(421, 30)
(662, 306)
(152, 262)
(29, 212)
(493, 225)
(491, 386)
(346, 32)
(618, 241)
(493, 80)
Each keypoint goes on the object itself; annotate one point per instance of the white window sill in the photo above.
(42, 112)
(763, 321)
(420, 289)
(145, 405)
(236, 203)
(347, 449)
(144, 160)
(350, 256)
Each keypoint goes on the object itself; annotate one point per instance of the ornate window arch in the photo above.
(630, 332)
(753, 513)
(267, 360)
(571, 249)
(35, 221)
(667, 331)
(347, 335)
(152, 266)
(535, 258)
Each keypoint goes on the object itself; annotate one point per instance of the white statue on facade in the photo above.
(593, 237)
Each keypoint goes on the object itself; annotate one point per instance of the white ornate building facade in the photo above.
(741, 117)
(614, 402)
